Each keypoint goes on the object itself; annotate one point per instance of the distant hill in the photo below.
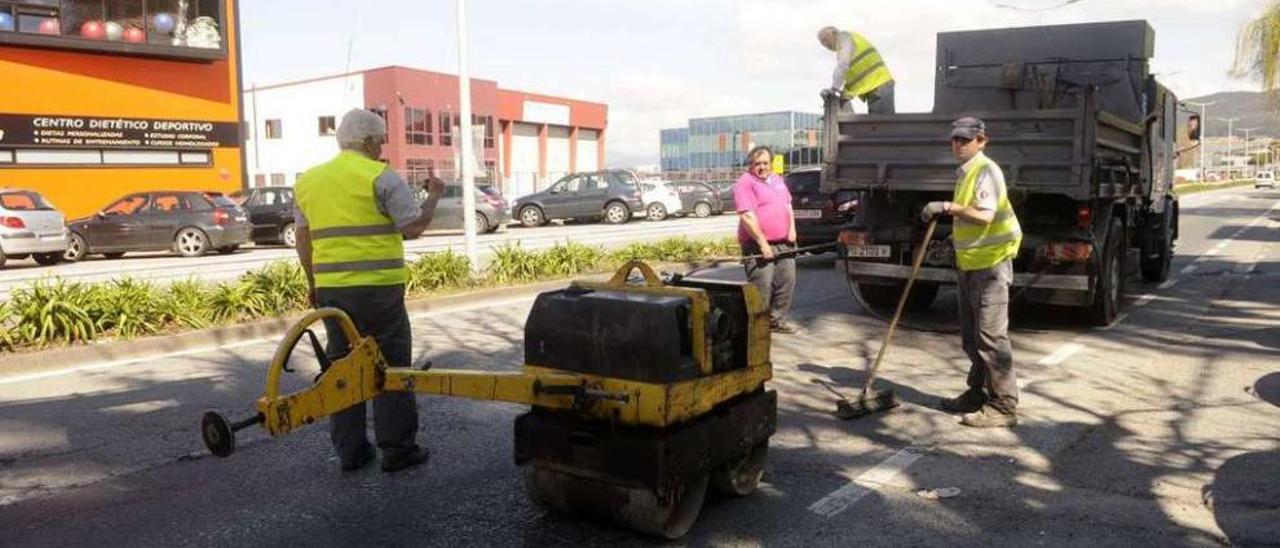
(1250, 106)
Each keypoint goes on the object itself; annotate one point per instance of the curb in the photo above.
(63, 358)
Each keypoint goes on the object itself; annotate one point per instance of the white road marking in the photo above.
(841, 499)
(1191, 268)
(1168, 284)
(1061, 354)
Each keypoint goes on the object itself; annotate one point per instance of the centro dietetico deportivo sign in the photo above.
(56, 131)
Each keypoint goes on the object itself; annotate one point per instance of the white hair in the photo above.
(358, 125)
(827, 37)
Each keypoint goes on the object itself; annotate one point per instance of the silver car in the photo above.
(30, 226)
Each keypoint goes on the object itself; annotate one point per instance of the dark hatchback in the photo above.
(612, 196)
(819, 215)
(271, 212)
(189, 223)
(699, 199)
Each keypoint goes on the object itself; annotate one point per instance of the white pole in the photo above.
(465, 155)
(1230, 123)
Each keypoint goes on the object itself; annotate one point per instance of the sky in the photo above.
(657, 63)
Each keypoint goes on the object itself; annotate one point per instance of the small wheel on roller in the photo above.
(217, 434)
(740, 477)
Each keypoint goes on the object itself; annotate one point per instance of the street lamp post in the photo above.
(1204, 131)
(1230, 122)
(1246, 131)
(465, 154)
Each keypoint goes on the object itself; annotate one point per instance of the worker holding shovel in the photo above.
(986, 235)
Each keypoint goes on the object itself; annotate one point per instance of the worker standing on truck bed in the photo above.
(353, 214)
(986, 236)
(860, 71)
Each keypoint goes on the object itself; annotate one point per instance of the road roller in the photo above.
(643, 394)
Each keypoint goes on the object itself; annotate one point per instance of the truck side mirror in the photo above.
(1193, 127)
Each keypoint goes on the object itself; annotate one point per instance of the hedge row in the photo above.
(56, 311)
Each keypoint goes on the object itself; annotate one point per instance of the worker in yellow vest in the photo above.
(986, 236)
(860, 71)
(353, 214)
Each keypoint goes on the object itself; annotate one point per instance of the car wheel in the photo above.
(656, 211)
(48, 259)
(77, 248)
(289, 235)
(702, 210)
(227, 250)
(482, 223)
(191, 242)
(115, 255)
(616, 213)
(2, 258)
(531, 216)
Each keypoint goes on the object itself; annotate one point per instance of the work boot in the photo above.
(990, 417)
(364, 457)
(784, 327)
(971, 400)
(400, 461)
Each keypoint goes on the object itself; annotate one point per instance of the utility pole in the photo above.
(1246, 131)
(1230, 122)
(465, 154)
(1204, 131)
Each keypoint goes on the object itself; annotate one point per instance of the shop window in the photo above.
(166, 28)
(417, 126)
(328, 126)
(446, 129)
(275, 130)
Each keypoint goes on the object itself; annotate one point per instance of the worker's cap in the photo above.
(968, 128)
(358, 125)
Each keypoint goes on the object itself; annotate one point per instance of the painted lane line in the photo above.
(1189, 268)
(1143, 300)
(871, 480)
(1168, 284)
(1061, 354)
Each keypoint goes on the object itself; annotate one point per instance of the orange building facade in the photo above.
(103, 98)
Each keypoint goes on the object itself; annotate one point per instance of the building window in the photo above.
(168, 28)
(277, 179)
(417, 126)
(275, 130)
(417, 170)
(487, 122)
(328, 126)
(259, 180)
(446, 129)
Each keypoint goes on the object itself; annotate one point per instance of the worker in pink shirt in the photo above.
(767, 227)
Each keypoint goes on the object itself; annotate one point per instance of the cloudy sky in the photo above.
(657, 63)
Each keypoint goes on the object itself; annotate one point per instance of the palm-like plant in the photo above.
(1258, 51)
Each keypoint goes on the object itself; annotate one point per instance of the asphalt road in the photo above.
(167, 267)
(1163, 430)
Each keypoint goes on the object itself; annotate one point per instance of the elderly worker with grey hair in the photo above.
(860, 71)
(353, 215)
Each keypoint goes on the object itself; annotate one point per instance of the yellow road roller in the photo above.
(642, 393)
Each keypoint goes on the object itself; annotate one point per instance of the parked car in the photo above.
(819, 215)
(612, 196)
(725, 186)
(271, 213)
(699, 199)
(1265, 179)
(660, 201)
(30, 227)
(492, 212)
(189, 223)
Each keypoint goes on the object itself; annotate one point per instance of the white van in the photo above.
(1265, 179)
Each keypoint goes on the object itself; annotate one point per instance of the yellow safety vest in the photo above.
(867, 71)
(352, 243)
(981, 246)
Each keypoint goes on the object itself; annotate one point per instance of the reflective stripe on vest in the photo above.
(353, 244)
(867, 71)
(981, 246)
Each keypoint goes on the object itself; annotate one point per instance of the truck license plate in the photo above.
(808, 213)
(869, 251)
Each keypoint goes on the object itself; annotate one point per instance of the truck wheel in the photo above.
(1155, 266)
(886, 296)
(1109, 293)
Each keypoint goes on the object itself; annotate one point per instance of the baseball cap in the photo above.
(968, 128)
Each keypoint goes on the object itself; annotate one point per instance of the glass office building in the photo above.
(718, 144)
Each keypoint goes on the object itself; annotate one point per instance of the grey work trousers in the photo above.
(378, 311)
(984, 328)
(879, 101)
(774, 279)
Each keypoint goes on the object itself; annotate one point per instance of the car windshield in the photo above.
(24, 200)
(804, 182)
(220, 200)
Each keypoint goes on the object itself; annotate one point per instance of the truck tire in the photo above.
(1109, 291)
(886, 296)
(1156, 264)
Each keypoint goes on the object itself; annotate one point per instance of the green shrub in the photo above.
(635, 251)
(277, 288)
(129, 308)
(234, 300)
(433, 271)
(571, 258)
(46, 312)
(513, 263)
(187, 303)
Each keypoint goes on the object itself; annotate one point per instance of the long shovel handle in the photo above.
(902, 302)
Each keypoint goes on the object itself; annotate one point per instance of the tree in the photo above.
(1258, 52)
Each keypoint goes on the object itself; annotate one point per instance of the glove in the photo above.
(933, 209)
(831, 92)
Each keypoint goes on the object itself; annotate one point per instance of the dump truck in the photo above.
(1085, 136)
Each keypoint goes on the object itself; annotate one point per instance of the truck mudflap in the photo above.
(864, 272)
